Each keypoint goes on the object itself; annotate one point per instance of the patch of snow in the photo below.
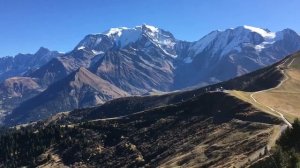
(204, 42)
(169, 54)
(268, 41)
(163, 40)
(223, 42)
(98, 40)
(152, 28)
(259, 47)
(115, 31)
(132, 48)
(225, 45)
(124, 36)
(154, 31)
(262, 32)
(164, 46)
(81, 48)
(188, 60)
(97, 52)
(263, 45)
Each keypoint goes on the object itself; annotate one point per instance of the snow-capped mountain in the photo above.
(143, 59)
(222, 43)
(222, 55)
(118, 38)
(150, 45)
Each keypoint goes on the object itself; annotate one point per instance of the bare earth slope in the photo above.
(15, 90)
(80, 89)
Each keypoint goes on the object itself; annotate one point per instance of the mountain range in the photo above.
(20, 64)
(135, 61)
(204, 127)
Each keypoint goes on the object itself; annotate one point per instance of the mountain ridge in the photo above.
(20, 64)
(154, 60)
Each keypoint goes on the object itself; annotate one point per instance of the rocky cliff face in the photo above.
(23, 63)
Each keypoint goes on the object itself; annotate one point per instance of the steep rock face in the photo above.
(78, 90)
(91, 84)
(97, 43)
(135, 71)
(288, 41)
(22, 63)
(19, 86)
(60, 67)
(15, 90)
(222, 55)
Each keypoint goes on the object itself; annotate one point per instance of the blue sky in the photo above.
(25, 25)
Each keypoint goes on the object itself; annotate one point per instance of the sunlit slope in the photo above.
(285, 97)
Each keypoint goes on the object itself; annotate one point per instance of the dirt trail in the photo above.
(286, 77)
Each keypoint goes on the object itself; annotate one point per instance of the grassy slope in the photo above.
(285, 98)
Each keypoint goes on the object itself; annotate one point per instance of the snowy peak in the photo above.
(123, 36)
(136, 31)
(164, 40)
(216, 44)
(153, 29)
(224, 42)
(267, 34)
(97, 43)
(115, 31)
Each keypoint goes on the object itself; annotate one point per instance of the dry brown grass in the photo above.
(284, 99)
(54, 162)
(245, 96)
(225, 140)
